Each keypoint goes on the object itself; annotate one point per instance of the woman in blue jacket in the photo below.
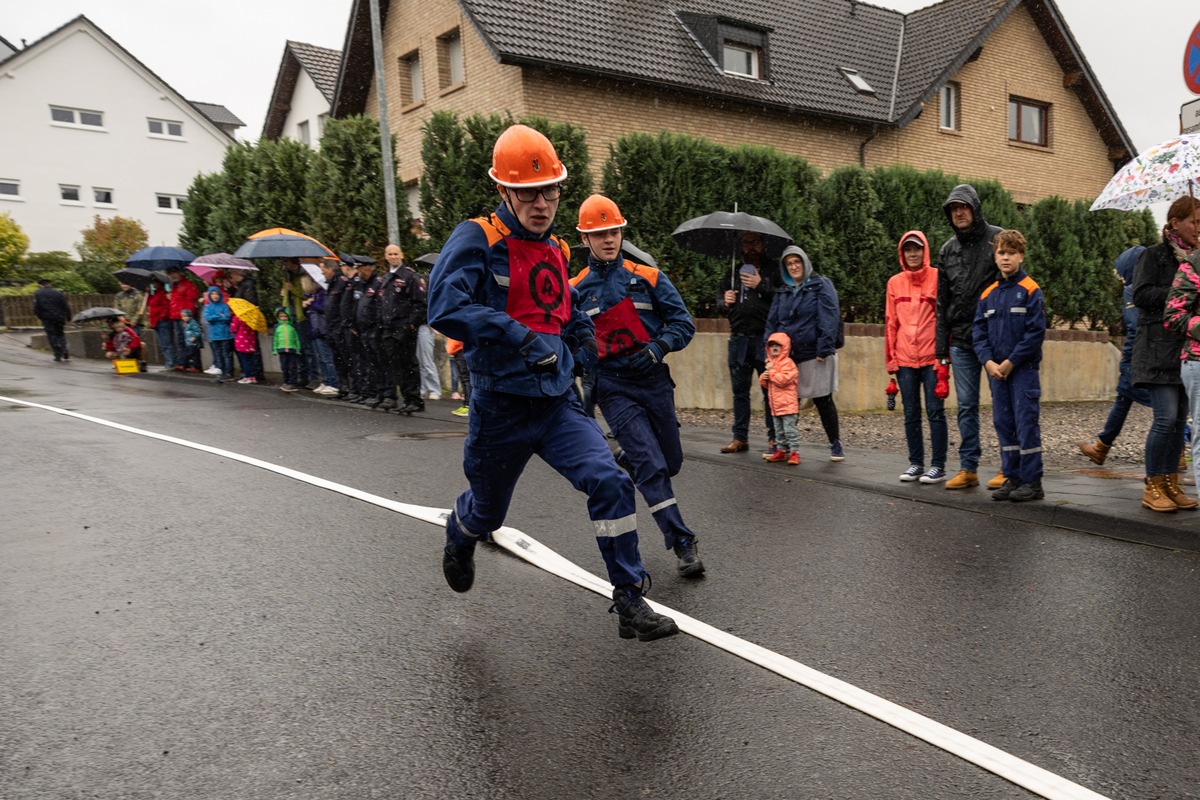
(806, 309)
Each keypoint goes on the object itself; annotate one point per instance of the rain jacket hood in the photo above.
(782, 339)
(900, 251)
(793, 250)
(965, 193)
(286, 337)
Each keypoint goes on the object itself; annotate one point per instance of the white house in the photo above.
(304, 88)
(89, 130)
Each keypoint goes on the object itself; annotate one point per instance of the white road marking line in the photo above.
(1040, 781)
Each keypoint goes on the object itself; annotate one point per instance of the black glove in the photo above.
(586, 358)
(539, 358)
(648, 357)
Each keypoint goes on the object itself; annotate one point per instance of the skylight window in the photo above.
(857, 81)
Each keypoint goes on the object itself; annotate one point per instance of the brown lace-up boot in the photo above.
(1172, 490)
(1154, 496)
(1097, 451)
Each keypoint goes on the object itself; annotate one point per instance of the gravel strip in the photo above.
(1064, 425)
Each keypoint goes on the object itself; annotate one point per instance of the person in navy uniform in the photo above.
(401, 312)
(1009, 328)
(639, 318)
(500, 287)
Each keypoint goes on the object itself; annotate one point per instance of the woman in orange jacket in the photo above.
(909, 346)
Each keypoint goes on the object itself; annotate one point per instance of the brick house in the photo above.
(987, 88)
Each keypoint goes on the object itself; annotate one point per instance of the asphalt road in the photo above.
(177, 624)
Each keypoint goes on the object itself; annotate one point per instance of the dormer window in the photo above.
(735, 48)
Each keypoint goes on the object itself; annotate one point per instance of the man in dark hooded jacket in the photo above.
(966, 265)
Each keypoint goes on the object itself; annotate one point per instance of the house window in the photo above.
(302, 132)
(9, 190)
(412, 90)
(68, 194)
(163, 127)
(740, 59)
(948, 107)
(76, 116)
(450, 60)
(857, 81)
(169, 202)
(1027, 121)
(102, 197)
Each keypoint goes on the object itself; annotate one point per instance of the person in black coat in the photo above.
(402, 310)
(1156, 357)
(50, 306)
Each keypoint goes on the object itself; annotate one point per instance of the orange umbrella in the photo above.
(273, 231)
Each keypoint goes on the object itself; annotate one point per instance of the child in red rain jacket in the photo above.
(781, 379)
(909, 344)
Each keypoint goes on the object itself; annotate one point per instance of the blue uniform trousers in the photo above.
(504, 431)
(641, 413)
(1016, 411)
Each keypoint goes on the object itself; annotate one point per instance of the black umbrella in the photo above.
(100, 312)
(135, 277)
(160, 257)
(282, 245)
(428, 259)
(718, 234)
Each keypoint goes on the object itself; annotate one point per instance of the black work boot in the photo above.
(1005, 492)
(690, 565)
(458, 560)
(1028, 491)
(389, 405)
(635, 618)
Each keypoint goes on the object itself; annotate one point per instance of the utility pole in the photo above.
(385, 134)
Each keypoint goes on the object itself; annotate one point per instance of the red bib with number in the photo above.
(620, 330)
(539, 296)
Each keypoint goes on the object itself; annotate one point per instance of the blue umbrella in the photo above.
(160, 257)
(283, 245)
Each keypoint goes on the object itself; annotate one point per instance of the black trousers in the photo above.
(57, 338)
(399, 364)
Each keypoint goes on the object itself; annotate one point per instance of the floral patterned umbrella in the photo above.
(1161, 174)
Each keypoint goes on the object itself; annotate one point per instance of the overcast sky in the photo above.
(227, 52)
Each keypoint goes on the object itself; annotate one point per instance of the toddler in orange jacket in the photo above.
(781, 380)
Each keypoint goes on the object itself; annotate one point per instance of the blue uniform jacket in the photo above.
(1010, 322)
(468, 297)
(604, 284)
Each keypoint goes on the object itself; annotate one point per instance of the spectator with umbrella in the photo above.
(158, 316)
(745, 297)
(132, 305)
(184, 297)
(50, 306)
(247, 322)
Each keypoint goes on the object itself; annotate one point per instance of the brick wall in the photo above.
(1015, 60)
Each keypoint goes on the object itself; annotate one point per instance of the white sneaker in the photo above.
(326, 390)
(213, 370)
(246, 380)
(319, 389)
(434, 396)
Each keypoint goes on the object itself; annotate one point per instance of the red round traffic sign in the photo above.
(1191, 61)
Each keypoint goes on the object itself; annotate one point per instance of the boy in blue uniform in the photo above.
(500, 287)
(639, 318)
(1010, 326)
